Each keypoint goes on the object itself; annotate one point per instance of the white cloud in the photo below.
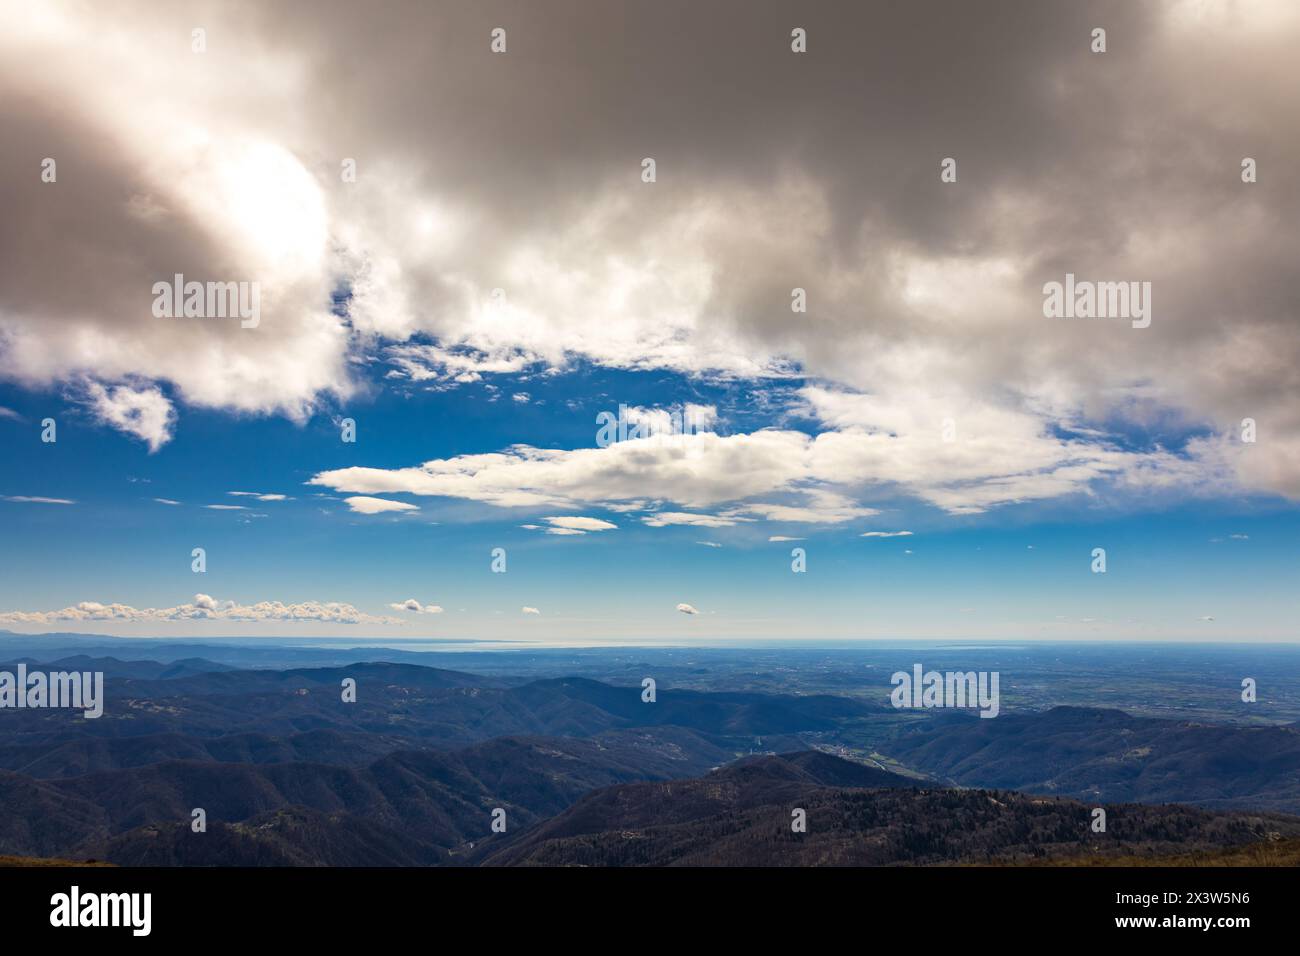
(259, 495)
(421, 363)
(694, 470)
(373, 506)
(886, 534)
(709, 544)
(415, 607)
(225, 507)
(37, 500)
(664, 519)
(820, 506)
(687, 609)
(870, 448)
(10, 414)
(202, 607)
(166, 501)
(579, 524)
(529, 610)
(781, 537)
(145, 413)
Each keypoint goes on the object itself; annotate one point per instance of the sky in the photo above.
(825, 311)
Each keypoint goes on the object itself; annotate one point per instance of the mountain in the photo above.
(741, 816)
(113, 667)
(422, 705)
(294, 836)
(1108, 756)
(427, 799)
(81, 755)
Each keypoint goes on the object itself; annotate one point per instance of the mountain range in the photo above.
(586, 772)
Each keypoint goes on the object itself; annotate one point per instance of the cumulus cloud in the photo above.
(362, 504)
(702, 470)
(202, 607)
(529, 610)
(415, 607)
(145, 413)
(925, 297)
(791, 476)
(687, 609)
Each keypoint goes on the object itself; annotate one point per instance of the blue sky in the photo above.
(836, 262)
(1018, 571)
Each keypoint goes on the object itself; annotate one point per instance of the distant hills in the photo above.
(1109, 756)
(409, 705)
(588, 773)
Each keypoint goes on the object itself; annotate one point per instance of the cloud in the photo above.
(259, 495)
(529, 610)
(373, 506)
(702, 470)
(145, 413)
(10, 414)
(821, 478)
(923, 297)
(166, 501)
(579, 525)
(781, 537)
(422, 363)
(886, 534)
(687, 609)
(664, 519)
(709, 544)
(819, 506)
(202, 607)
(415, 607)
(225, 507)
(37, 500)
